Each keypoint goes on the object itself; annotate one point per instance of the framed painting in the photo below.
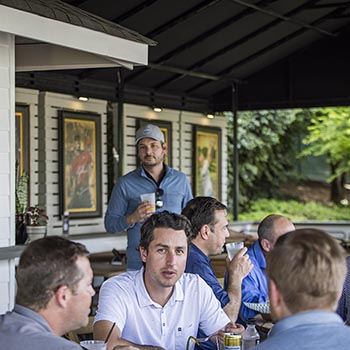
(22, 139)
(207, 161)
(80, 164)
(166, 128)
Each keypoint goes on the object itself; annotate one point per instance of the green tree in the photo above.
(266, 158)
(329, 134)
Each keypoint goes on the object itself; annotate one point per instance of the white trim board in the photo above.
(36, 27)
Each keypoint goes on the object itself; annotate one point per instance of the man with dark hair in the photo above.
(126, 210)
(54, 291)
(306, 271)
(210, 229)
(254, 286)
(159, 305)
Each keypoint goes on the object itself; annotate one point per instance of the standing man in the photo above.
(306, 271)
(210, 230)
(54, 291)
(158, 305)
(171, 187)
(254, 286)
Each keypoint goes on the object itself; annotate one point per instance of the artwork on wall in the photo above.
(22, 139)
(80, 164)
(207, 161)
(166, 128)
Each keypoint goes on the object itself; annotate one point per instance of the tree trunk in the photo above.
(336, 186)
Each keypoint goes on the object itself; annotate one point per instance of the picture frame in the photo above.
(80, 164)
(166, 128)
(22, 138)
(207, 161)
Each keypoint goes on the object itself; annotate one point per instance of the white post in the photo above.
(7, 166)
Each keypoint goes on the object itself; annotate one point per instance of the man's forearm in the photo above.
(234, 291)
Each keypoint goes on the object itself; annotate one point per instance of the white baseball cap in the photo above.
(151, 131)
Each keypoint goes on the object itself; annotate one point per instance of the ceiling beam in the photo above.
(229, 70)
(186, 72)
(235, 44)
(299, 23)
(195, 10)
(195, 41)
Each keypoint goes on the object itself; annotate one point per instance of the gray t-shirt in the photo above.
(23, 328)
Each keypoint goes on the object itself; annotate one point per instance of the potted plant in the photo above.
(36, 221)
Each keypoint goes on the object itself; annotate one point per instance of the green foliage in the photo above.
(266, 158)
(329, 134)
(296, 211)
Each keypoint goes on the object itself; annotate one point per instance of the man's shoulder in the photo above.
(34, 335)
(174, 172)
(196, 261)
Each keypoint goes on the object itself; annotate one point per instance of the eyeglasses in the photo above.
(159, 200)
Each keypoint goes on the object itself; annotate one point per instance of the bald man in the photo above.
(254, 286)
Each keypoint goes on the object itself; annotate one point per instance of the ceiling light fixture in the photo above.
(83, 98)
(157, 109)
(210, 116)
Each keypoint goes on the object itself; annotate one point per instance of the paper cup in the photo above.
(151, 198)
(94, 344)
(233, 248)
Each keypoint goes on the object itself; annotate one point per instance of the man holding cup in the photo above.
(210, 230)
(254, 286)
(171, 189)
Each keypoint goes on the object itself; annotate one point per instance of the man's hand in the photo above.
(141, 213)
(229, 328)
(240, 265)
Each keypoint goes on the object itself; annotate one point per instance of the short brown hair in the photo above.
(308, 267)
(201, 211)
(45, 265)
(164, 219)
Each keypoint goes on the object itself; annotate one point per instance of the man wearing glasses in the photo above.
(126, 211)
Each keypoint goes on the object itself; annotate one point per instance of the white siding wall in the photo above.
(182, 134)
(7, 168)
(50, 105)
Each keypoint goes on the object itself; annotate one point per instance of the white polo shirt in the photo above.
(124, 300)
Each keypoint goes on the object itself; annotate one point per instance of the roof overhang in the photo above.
(63, 41)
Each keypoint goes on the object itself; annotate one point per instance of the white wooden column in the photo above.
(7, 166)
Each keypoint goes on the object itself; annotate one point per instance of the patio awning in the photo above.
(53, 35)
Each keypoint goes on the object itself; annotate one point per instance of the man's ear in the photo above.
(165, 148)
(204, 232)
(143, 253)
(266, 245)
(62, 296)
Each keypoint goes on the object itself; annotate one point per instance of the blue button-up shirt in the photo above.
(254, 286)
(199, 263)
(316, 330)
(126, 198)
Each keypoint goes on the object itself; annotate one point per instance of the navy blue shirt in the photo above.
(199, 263)
(343, 309)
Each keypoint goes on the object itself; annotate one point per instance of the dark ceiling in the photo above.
(273, 53)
